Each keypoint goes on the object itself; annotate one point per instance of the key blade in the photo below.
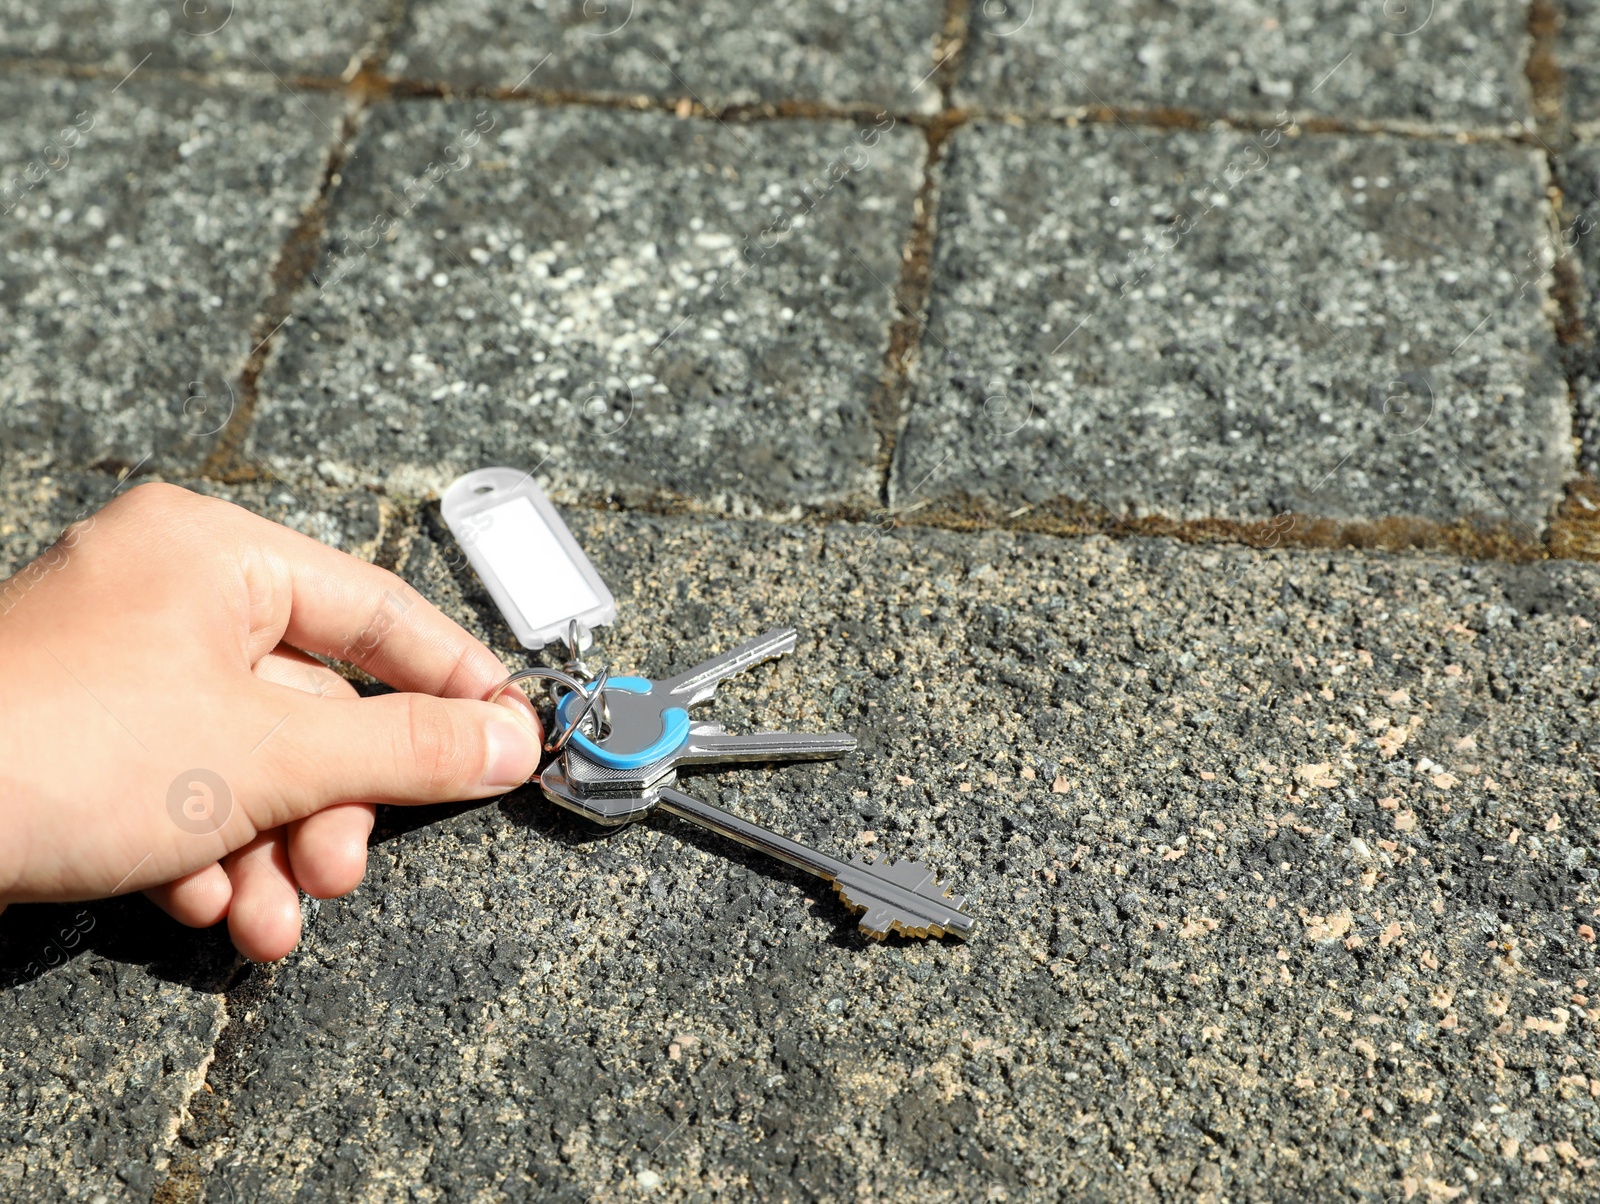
(902, 897)
(700, 683)
(718, 748)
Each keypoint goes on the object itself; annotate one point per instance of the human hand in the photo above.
(164, 728)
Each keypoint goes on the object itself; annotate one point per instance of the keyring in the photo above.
(597, 695)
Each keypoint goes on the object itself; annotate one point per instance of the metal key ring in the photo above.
(561, 678)
(590, 698)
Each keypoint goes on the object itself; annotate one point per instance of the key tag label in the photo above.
(527, 559)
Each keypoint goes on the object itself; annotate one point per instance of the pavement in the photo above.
(1174, 434)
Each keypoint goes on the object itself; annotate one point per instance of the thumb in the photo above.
(401, 748)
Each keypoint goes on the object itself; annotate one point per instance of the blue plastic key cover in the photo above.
(674, 729)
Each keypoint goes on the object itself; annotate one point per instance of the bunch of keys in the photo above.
(619, 742)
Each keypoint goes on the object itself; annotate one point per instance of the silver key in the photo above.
(899, 897)
(649, 719)
(611, 779)
(601, 792)
(701, 682)
(610, 796)
(719, 748)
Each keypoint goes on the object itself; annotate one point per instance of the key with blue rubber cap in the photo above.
(612, 778)
(650, 719)
(628, 769)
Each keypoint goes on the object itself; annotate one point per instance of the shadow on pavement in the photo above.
(38, 939)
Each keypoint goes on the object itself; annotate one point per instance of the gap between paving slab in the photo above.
(1570, 535)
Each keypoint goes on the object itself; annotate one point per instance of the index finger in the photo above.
(328, 602)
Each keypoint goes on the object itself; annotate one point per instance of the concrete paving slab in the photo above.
(851, 52)
(1226, 816)
(1580, 239)
(141, 224)
(288, 37)
(109, 1014)
(637, 303)
(1283, 862)
(1577, 48)
(1445, 62)
(1218, 325)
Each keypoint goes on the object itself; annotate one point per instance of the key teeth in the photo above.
(878, 920)
(875, 921)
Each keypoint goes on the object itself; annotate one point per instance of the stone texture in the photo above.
(287, 37)
(1221, 325)
(141, 223)
(1448, 62)
(108, 1017)
(1578, 54)
(846, 52)
(633, 303)
(1580, 238)
(1283, 862)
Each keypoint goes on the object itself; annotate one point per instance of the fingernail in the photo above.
(517, 703)
(513, 754)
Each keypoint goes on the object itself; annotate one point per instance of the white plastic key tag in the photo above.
(534, 570)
